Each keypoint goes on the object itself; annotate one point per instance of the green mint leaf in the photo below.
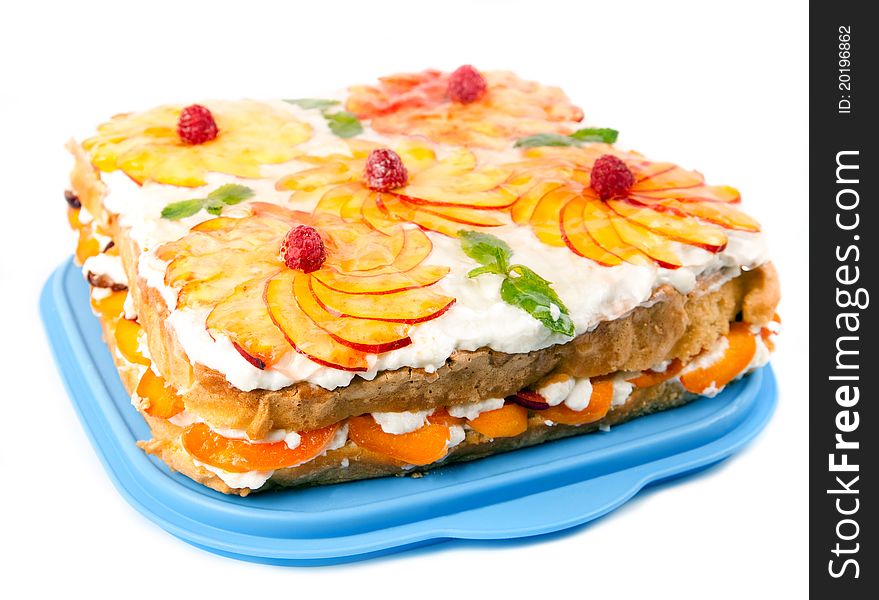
(184, 208)
(487, 250)
(545, 139)
(313, 103)
(343, 124)
(486, 269)
(229, 194)
(532, 293)
(595, 134)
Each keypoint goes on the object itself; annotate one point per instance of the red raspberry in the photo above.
(384, 170)
(611, 178)
(466, 85)
(303, 250)
(196, 125)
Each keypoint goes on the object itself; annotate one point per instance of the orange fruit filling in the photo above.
(650, 377)
(507, 421)
(736, 358)
(420, 447)
(127, 334)
(240, 456)
(161, 401)
(599, 404)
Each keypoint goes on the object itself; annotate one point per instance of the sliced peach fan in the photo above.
(233, 266)
(419, 104)
(443, 195)
(664, 205)
(146, 146)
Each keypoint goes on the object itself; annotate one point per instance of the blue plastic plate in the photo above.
(529, 492)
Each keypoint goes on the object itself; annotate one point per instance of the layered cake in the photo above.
(381, 281)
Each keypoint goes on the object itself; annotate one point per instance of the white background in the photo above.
(716, 86)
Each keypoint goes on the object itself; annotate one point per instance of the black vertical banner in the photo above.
(844, 259)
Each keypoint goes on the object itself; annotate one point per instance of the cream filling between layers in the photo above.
(478, 319)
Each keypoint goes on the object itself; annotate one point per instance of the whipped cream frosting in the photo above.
(478, 319)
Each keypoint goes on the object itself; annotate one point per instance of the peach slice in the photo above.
(545, 218)
(416, 155)
(664, 176)
(343, 200)
(361, 334)
(524, 207)
(577, 237)
(679, 228)
(700, 193)
(411, 306)
(438, 195)
(736, 358)
(356, 246)
(240, 456)
(111, 306)
(713, 212)
(244, 319)
(416, 247)
(420, 447)
(650, 377)
(417, 277)
(509, 420)
(655, 246)
(394, 206)
(597, 221)
(376, 216)
(127, 336)
(599, 405)
(311, 179)
(162, 401)
(301, 332)
(461, 214)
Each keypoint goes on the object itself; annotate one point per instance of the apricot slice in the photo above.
(416, 247)
(577, 237)
(244, 318)
(713, 212)
(680, 228)
(410, 306)
(127, 336)
(343, 201)
(301, 332)
(650, 377)
(356, 246)
(545, 218)
(376, 216)
(162, 401)
(111, 306)
(596, 220)
(736, 358)
(394, 206)
(307, 180)
(361, 334)
(417, 277)
(664, 176)
(420, 447)
(507, 421)
(524, 207)
(462, 214)
(240, 456)
(652, 244)
(599, 404)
